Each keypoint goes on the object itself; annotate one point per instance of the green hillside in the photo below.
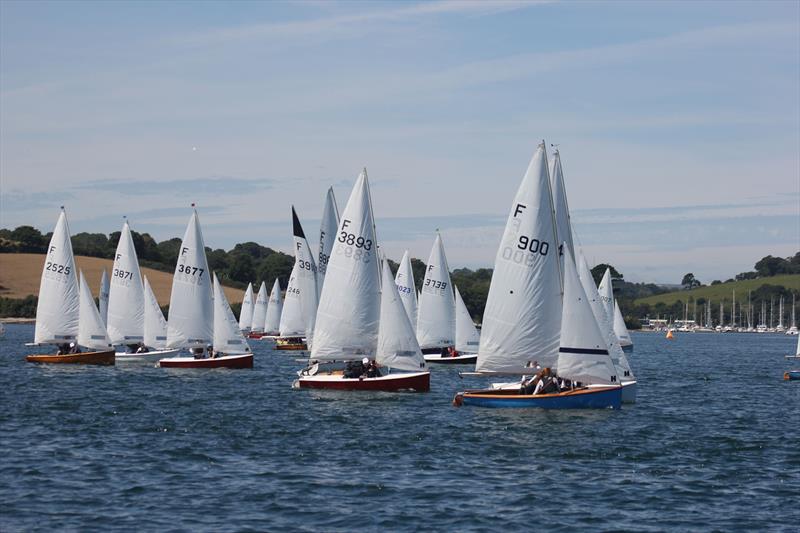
(723, 291)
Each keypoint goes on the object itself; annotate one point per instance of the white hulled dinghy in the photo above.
(246, 312)
(58, 312)
(191, 311)
(126, 305)
(603, 309)
(621, 330)
(436, 315)
(350, 318)
(468, 338)
(272, 325)
(259, 316)
(523, 316)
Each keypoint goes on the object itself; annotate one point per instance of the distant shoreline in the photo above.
(17, 320)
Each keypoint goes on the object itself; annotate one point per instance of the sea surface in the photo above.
(713, 444)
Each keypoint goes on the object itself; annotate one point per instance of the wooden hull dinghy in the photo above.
(401, 382)
(150, 357)
(585, 398)
(460, 359)
(85, 358)
(290, 343)
(227, 361)
(792, 375)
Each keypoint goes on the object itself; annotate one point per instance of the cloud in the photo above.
(189, 187)
(20, 200)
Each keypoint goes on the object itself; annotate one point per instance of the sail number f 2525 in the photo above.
(58, 269)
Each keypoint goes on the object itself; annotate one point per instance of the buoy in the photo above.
(669, 334)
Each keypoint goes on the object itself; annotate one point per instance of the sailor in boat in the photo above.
(141, 348)
(63, 349)
(372, 370)
(198, 352)
(74, 348)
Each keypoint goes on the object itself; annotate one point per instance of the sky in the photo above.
(678, 123)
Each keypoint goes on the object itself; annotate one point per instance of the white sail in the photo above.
(58, 308)
(228, 338)
(797, 351)
(522, 319)
(292, 323)
(620, 329)
(604, 322)
(327, 234)
(91, 330)
(583, 354)
(155, 326)
(103, 297)
(606, 291)
(349, 309)
(126, 297)
(306, 276)
(260, 309)
(436, 315)
(397, 341)
(563, 225)
(406, 288)
(191, 312)
(467, 337)
(246, 312)
(272, 324)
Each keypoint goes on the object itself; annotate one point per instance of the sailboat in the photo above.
(191, 311)
(103, 297)
(355, 319)
(796, 352)
(259, 316)
(292, 327)
(272, 325)
(406, 287)
(523, 317)
(62, 314)
(304, 277)
(436, 315)
(621, 330)
(155, 325)
(793, 328)
(246, 312)
(327, 234)
(126, 305)
(467, 339)
(599, 306)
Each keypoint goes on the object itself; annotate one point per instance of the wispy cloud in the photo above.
(188, 187)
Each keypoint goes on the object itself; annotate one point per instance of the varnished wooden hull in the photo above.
(292, 347)
(86, 358)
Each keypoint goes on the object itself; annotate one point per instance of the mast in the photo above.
(733, 310)
(780, 313)
(721, 314)
(794, 324)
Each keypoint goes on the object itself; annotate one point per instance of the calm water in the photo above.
(712, 444)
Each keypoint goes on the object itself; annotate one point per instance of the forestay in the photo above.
(397, 342)
(306, 277)
(436, 320)
(406, 288)
(103, 297)
(327, 234)
(155, 326)
(126, 297)
(468, 339)
(228, 338)
(191, 313)
(583, 354)
(246, 313)
(618, 357)
(272, 325)
(260, 309)
(349, 309)
(57, 310)
(522, 319)
(91, 330)
(292, 323)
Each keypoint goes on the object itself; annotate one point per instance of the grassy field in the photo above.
(724, 291)
(20, 273)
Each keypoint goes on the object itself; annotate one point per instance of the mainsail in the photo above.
(349, 309)
(397, 343)
(306, 276)
(103, 297)
(272, 325)
(406, 288)
(191, 312)
(327, 234)
(228, 338)
(522, 319)
(126, 297)
(260, 309)
(436, 321)
(57, 311)
(292, 322)
(563, 225)
(91, 330)
(468, 339)
(155, 326)
(246, 312)
(620, 329)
